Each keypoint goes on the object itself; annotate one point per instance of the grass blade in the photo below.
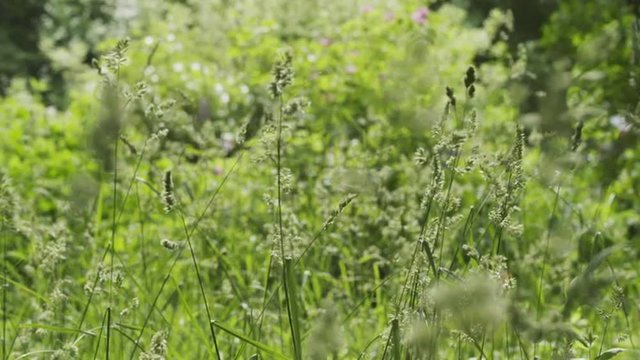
(264, 348)
(293, 309)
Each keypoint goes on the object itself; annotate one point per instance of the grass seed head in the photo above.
(167, 192)
(282, 74)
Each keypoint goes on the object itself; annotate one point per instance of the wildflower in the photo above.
(390, 16)
(420, 15)
(325, 41)
(367, 8)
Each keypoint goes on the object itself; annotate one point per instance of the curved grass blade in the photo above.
(262, 347)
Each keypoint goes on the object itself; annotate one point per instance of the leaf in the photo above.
(395, 339)
(25, 289)
(609, 354)
(584, 287)
(258, 345)
(293, 307)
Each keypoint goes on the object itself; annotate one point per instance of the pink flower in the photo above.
(325, 41)
(420, 15)
(367, 8)
(390, 16)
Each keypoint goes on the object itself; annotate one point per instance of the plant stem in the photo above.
(4, 292)
(177, 257)
(112, 241)
(285, 265)
(546, 252)
(201, 284)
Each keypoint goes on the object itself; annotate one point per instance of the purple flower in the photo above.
(420, 15)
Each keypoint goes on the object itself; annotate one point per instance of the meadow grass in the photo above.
(286, 267)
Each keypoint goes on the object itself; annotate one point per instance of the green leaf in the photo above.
(293, 310)
(275, 354)
(609, 354)
(25, 289)
(395, 339)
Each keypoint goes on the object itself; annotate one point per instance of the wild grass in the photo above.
(313, 250)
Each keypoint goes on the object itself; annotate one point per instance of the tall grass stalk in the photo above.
(143, 240)
(545, 254)
(267, 298)
(287, 272)
(412, 279)
(283, 77)
(204, 212)
(112, 242)
(607, 319)
(623, 308)
(5, 285)
(498, 242)
(147, 317)
(94, 284)
(575, 143)
(201, 284)
(104, 319)
(108, 249)
(369, 344)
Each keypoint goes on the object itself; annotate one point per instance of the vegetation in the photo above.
(320, 179)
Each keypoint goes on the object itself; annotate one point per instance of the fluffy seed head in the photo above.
(282, 74)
